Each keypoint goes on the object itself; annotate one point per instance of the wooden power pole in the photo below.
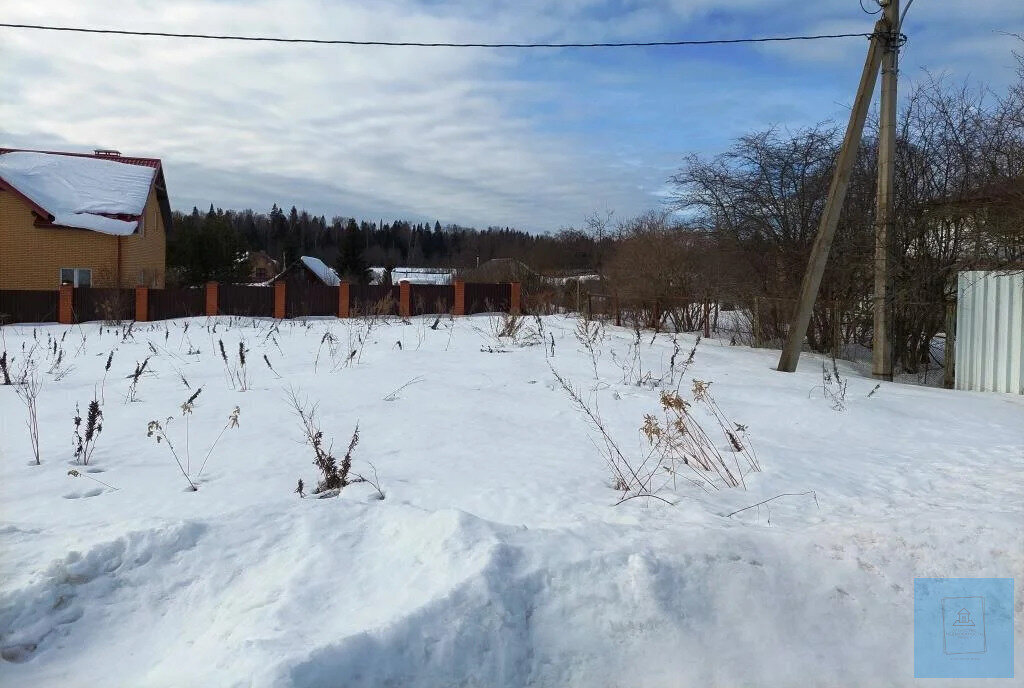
(881, 336)
(834, 203)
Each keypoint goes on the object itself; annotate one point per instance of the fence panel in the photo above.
(176, 303)
(373, 299)
(488, 298)
(108, 304)
(241, 299)
(428, 299)
(310, 299)
(27, 306)
(990, 332)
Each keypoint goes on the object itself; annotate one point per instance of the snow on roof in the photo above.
(414, 275)
(323, 271)
(80, 191)
(588, 277)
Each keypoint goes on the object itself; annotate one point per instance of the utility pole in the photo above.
(834, 203)
(881, 335)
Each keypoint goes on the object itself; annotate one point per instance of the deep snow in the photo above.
(497, 557)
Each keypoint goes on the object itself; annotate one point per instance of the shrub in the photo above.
(133, 386)
(159, 431)
(86, 444)
(3, 368)
(27, 387)
(629, 476)
(833, 386)
(334, 477)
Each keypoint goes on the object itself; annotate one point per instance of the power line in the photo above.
(424, 44)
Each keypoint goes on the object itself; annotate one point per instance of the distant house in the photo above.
(308, 270)
(261, 266)
(501, 270)
(379, 275)
(95, 220)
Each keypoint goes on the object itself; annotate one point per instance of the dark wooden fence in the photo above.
(241, 299)
(367, 299)
(426, 299)
(97, 303)
(86, 304)
(27, 306)
(310, 299)
(487, 298)
(165, 304)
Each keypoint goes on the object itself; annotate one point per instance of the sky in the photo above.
(531, 139)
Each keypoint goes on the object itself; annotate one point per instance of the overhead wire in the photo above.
(428, 44)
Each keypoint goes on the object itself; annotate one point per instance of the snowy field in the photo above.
(498, 556)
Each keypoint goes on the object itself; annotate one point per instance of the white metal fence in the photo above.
(990, 332)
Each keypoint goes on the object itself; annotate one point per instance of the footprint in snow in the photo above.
(87, 493)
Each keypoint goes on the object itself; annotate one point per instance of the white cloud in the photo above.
(402, 129)
(452, 134)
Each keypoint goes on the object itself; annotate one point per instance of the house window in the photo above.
(76, 277)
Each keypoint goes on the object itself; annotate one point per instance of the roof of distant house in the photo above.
(413, 275)
(102, 192)
(322, 270)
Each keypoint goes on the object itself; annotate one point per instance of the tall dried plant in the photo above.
(86, 444)
(27, 386)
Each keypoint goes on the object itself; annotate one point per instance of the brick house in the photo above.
(95, 219)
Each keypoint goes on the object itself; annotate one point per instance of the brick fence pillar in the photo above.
(343, 300)
(142, 304)
(404, 299)
(211, 298)
(64, 309)
(515, 303)
(459, 305)
(279, 299)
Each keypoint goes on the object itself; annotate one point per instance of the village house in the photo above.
(261, 266)
(308, 271)
(89, 220)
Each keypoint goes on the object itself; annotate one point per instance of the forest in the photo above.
(207, 246)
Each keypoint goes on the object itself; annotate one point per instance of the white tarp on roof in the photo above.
(79, 191)
(326, 273)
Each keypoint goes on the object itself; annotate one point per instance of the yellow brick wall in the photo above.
(143, 257)
(31, 257)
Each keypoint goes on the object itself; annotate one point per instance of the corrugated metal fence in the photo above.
(990, 332)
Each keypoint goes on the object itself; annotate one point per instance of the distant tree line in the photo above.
(212, 245)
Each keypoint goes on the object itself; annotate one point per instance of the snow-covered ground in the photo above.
(498, 557)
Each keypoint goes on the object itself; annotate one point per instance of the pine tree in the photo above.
(351, 264)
